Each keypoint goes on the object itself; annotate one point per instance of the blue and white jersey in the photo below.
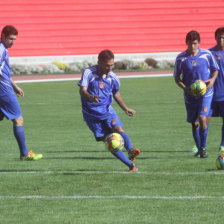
(219, 83)
(5, 72)
(105, 88)
(191, 68)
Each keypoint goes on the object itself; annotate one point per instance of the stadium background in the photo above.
(84, 27)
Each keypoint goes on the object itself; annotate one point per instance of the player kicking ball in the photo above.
(99, 85)
(9, 105)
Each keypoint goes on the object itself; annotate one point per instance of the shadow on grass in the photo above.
(102, 151)
(82, 157)
(65, 172)
(20, 171)
(97, 158)
(212, 170)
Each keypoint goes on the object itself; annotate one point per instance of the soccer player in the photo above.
(98, 86)
(192, 64)
(9, 106)
(217, 108)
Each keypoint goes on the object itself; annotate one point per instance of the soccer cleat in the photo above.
(221, 149)
(203, 153)
(194, 150)
(197, 154)
(133, 168)
(133, 153)
(31, 156)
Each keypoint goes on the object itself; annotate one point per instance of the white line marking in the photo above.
(112, 197)
(75, 79)
(111, 172)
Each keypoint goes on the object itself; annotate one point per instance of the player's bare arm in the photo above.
(130, 112)
(210, 82)
(19, 92)
(85, 94)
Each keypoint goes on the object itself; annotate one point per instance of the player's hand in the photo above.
(130, 112)
(210, 83)
(94, 99)
(19, 92)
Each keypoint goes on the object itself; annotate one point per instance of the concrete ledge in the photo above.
(169, 56)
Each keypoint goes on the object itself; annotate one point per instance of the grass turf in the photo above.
(79, 181)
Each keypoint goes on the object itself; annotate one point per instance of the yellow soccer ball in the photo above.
(114, 142)
(198, 88)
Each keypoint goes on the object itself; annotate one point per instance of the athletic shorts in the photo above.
(201, 108)
(9, 107)
(101, 128)
(217, 109)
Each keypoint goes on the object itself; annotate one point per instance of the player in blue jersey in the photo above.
(9, 106)
(99, 85)
(192, 64)
(217, 108)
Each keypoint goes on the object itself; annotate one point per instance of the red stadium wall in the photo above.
(83, 27)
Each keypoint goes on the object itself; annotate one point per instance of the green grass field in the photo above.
(80, 182)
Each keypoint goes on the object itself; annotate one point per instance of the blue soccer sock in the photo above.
(203, 136)
(222, 142)
(196, 136)
(20, 137)
(121, 156)
(127, 141)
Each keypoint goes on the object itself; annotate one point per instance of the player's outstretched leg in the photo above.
(133, 153)
(127, 141)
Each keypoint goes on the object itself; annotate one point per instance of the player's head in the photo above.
(105, 61)
(8, 35)
(192, 41)
(192, 36)
(219, 37)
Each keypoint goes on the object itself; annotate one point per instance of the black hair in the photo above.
(192, 36)
(219, 31)
(9, 30)
(105, 55)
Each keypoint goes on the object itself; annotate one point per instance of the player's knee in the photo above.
(118, 129)
(18, 121)
(195, 125)
(203, 121)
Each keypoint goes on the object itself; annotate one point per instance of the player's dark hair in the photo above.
(219, 31)
(9, 30)
(192, 36)
(105, 55)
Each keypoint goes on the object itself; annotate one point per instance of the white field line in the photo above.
(112, 172)
(75, 79)
(112, 197)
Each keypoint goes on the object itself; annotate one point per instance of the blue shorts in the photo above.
(217, 109)
(201, 108)
(101, 128)
(9, 107)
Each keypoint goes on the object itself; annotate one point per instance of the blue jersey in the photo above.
(105, 88)
(191, 68)
(5, 72)
(219, 83)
